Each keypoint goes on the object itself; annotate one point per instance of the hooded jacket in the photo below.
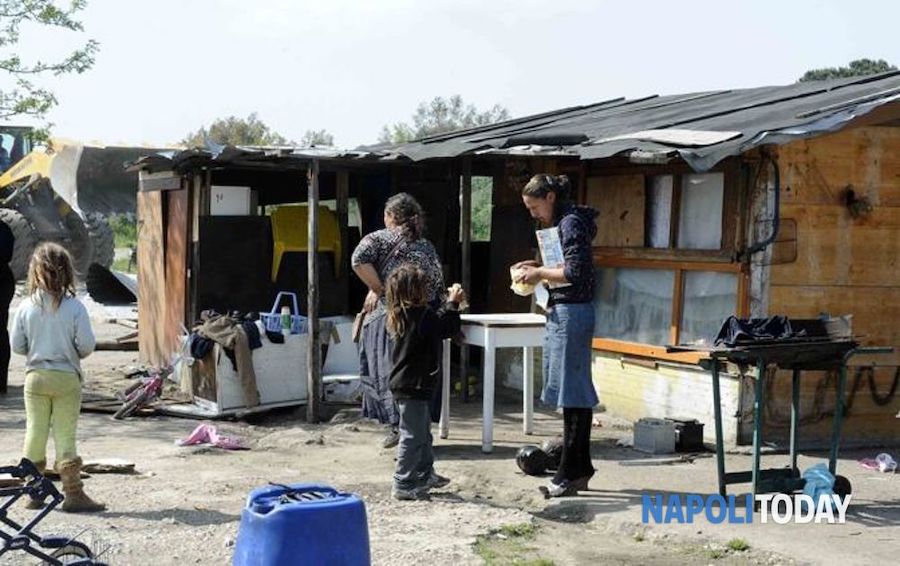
(416, 354)
(577, 228)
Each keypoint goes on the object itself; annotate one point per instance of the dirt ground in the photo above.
(183, 505)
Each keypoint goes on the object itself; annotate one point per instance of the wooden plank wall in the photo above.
(844, 265)
(620, 201)
(151, 278)
(176, 264)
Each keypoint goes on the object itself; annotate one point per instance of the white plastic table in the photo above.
(492, 331)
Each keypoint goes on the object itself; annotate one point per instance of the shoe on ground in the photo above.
(564, 489)
(436, 481)
(414, 494)
(391, 440)
(581, 484)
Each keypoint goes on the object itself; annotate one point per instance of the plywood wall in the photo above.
(151, 278)
(620, 201)
(844, 265)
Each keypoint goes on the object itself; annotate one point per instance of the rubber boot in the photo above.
(76, 500)
(34, 502)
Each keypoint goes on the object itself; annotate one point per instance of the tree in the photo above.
(857, 68)
(236, 131)
(21, 95)
(313, 138)
(439, 116)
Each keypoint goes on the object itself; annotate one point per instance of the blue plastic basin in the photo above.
(302, 524)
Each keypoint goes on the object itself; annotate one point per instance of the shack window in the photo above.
(664, 258)
(634, 305)
(659, 211)
(482, 204)
(700, 212)
(709, 298)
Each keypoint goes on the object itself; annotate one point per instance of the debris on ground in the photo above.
(108, 466)
(207, 434)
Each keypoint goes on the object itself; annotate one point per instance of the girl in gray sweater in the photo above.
(52, 330)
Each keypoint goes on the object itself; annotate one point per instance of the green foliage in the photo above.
(124, 265)
(506, 546)
(439, 116)
(857, 68)
(524, 530)
(124, 230)
(20, 94)
(482, 199)
(236, 131)
(314, 138)
(738, 545)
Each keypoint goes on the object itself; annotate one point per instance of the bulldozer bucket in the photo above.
(92, 178)
(63, 173)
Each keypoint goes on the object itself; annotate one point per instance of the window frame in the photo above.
(680, 261)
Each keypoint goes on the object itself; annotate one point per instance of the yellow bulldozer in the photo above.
(63, 191)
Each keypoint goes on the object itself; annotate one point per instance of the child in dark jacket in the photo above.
(417, 332)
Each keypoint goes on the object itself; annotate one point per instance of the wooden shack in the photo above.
(753, 202)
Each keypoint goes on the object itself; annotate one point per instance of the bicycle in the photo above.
(143, 392)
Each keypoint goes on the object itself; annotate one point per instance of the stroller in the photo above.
(54, 550)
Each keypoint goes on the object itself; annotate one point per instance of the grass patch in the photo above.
(507, 546)
(714, 553)
(123, 266)
(124, 229)
(523, 530)
(738, 545)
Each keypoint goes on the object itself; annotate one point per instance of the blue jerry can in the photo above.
(305, 524)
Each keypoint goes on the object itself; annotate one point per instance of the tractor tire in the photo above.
(78, 244)
(102, 239)
(25, 241)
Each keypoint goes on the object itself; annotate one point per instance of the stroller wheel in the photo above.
(72, 552)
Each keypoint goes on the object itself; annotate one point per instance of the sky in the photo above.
(167, 67)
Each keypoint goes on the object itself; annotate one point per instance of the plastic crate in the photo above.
(654, 436)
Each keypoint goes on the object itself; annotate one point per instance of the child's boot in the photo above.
(76, 500)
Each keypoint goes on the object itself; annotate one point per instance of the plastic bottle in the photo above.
(285, 320)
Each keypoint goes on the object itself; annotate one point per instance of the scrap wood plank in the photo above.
(130, 345)
(683, 459)
(127, 337)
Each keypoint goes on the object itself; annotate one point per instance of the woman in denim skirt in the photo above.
(570, 324)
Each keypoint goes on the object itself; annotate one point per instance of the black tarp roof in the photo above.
(747, 117)
(702, 128)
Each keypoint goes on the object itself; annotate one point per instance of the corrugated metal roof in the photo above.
(750, 117)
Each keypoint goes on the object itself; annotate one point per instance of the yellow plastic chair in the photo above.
(289, 234)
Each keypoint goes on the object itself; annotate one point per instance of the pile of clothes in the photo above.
(238, 335)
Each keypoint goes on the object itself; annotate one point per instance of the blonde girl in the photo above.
(52, 330)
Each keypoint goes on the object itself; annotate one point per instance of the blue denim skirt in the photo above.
(567, 356)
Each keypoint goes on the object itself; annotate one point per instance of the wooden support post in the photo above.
(466, 261)
(314, 374)
(342, 196)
